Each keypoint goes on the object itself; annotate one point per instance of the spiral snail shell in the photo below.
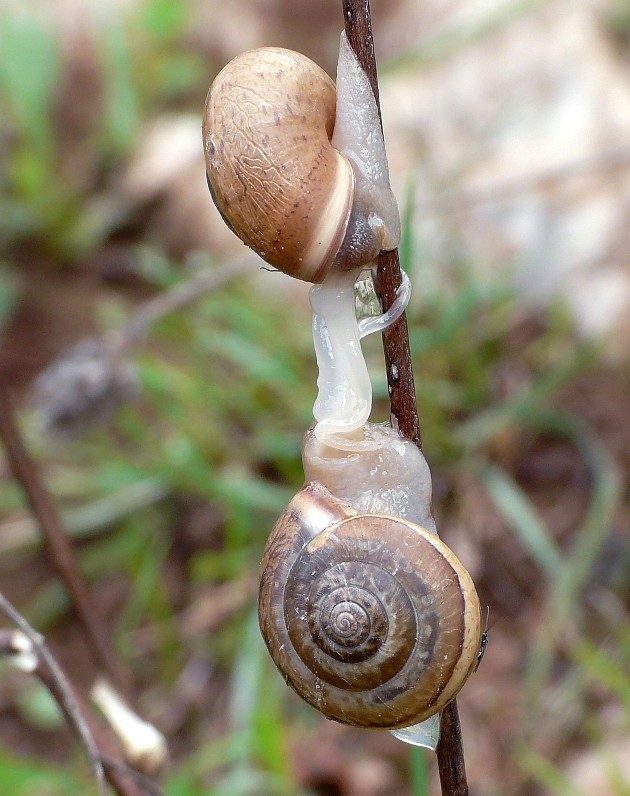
(294, 167)
(370, 617)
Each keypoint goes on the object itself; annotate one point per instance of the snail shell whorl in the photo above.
(371, 619)
(273, 173)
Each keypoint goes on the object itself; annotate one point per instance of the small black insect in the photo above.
(484, 642)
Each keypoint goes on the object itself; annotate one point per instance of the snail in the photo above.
(296, 167)
(300, 174)
(369, 616)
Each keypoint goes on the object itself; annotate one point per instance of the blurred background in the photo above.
(171, 441)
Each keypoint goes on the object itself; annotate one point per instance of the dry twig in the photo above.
(61, 551)
(402, 391)
(27, 649)
(50, 673)
(91, 380)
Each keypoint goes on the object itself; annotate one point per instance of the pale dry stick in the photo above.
(177, 297)
(82, 387)
(16, 648)
(402, 391)
(125, 780)
(62, 691)
(128, 783)
(142, 743)
(27, 651)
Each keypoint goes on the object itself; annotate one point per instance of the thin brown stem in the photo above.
(123, 782)
(99, 744)
(61, 552)
(450, 753)
(400, 381)
(49, 672)
(115, 768)
(402, 391)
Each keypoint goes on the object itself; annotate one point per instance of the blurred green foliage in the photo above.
(618, 19)
(227, 390)
(28, 778)
(142, 69)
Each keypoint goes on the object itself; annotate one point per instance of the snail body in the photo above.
(294, 165)
(369, 616)
(298, 170)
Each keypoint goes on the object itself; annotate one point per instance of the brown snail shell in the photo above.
(272, 170)
(371, 619)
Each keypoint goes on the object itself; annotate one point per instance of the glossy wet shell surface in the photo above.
(274, 176)
(372, 620)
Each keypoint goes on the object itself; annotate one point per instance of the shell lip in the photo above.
(330, 230)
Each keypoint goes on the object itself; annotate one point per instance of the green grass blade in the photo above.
(520, 513)
(552, 779)
(419, 771)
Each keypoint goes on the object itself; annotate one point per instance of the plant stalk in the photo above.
(95, 740)
(401, 385)
(59, 548)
